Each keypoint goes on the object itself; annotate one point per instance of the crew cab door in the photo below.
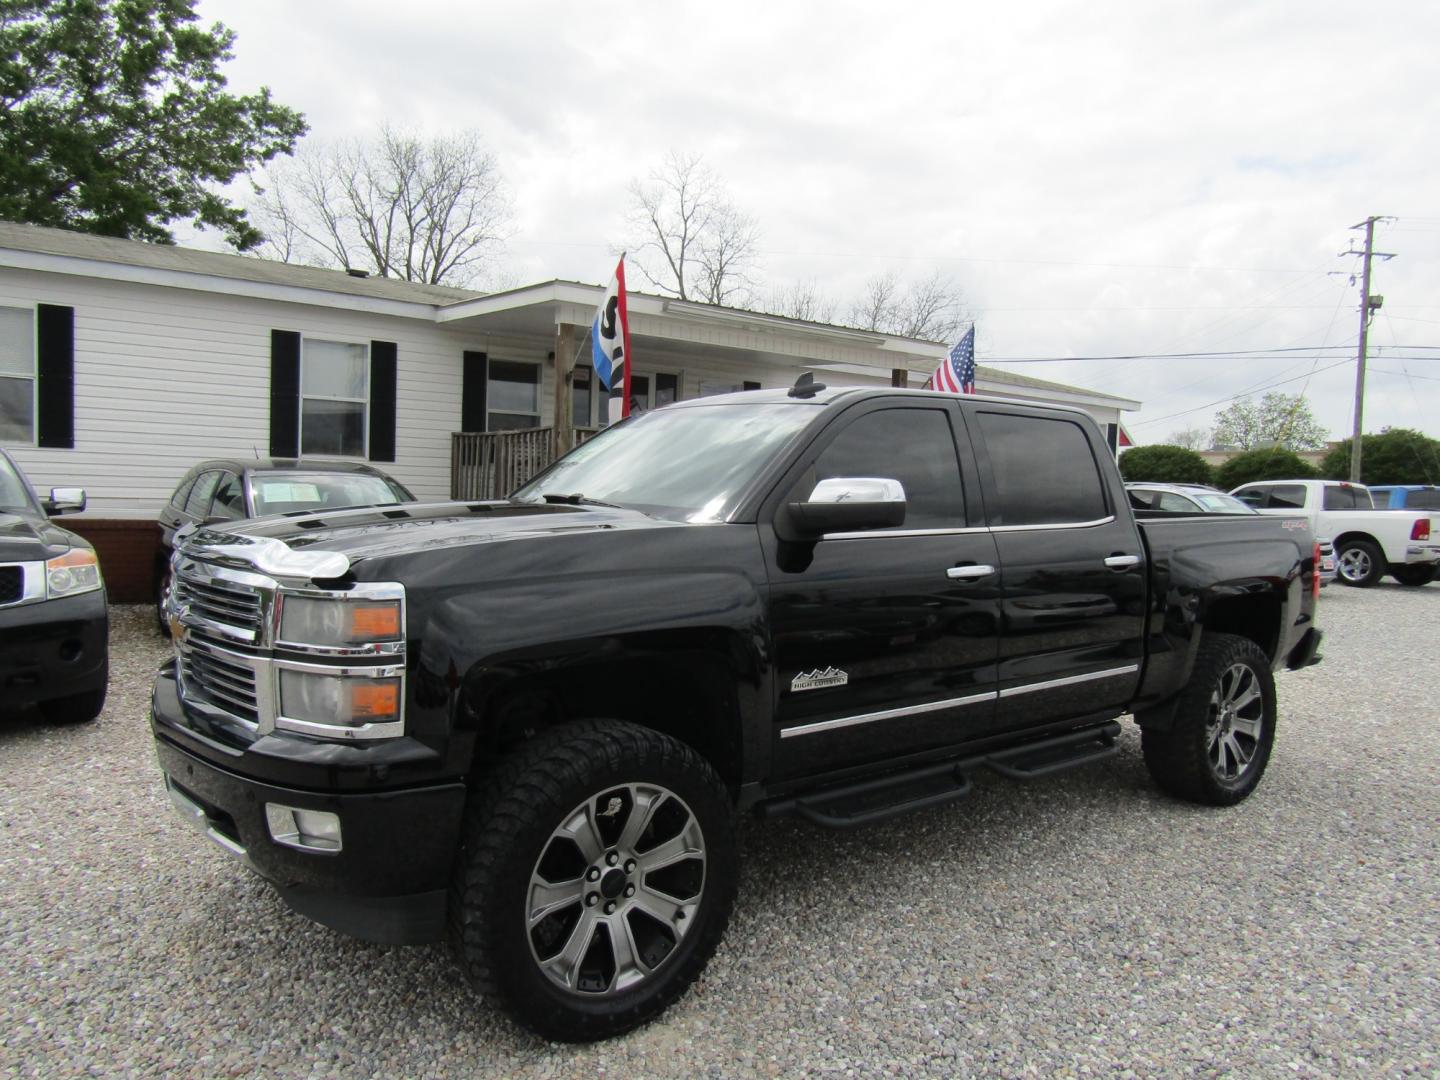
(1072, 566)
(884, 640)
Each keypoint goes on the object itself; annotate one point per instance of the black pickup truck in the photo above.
(527, 725)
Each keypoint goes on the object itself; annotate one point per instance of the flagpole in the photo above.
(625, 336)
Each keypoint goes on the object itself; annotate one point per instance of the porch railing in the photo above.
(492, 464)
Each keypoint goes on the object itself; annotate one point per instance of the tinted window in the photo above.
(1346, 498)
(1140, 499)
(1424, 500)
(1252, 496)
(199, 501)
(914, 446)
(1285, 497)
(1045, 472)
(229, 500)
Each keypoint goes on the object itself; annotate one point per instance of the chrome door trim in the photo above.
(887, 714)
(1055, 525)
(1069, 680)
(877, 534)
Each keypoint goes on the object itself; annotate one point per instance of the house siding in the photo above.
(166, 377)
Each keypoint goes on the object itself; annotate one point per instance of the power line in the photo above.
(1237, 397)
(1231, 354)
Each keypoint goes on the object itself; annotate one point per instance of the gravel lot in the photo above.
(1080, 926)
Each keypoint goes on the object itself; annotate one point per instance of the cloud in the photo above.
(1102, 179)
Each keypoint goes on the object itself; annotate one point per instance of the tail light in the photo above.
(1421, 529)
(1315, 577)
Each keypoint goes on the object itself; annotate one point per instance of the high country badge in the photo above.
(818, 680)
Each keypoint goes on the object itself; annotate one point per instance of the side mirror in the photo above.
(64, 501)
(844, 504)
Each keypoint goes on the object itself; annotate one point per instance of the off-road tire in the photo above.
(511, 820)
(1413, 575)
(1179, 757)
(1359, 563)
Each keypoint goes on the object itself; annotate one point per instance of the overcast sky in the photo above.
(1101, 179)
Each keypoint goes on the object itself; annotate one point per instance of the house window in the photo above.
(513, 396)
(334, 397)
(583, 387)
(17, 375)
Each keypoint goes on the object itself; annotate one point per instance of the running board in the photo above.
(868, 801)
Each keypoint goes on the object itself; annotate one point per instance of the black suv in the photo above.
(54, 629)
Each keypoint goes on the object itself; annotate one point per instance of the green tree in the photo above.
(1395, 456)
(116, 120)
(1269, 464)
(1164, 465)
(1277, 419)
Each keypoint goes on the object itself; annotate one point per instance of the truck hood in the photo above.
(325, 544)
(27, 539)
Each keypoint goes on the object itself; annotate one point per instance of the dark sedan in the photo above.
(53, 623)
(232, 489)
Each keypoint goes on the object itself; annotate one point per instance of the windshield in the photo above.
(1222, 504)
(688, 463)
(14, 495)
(283, 493)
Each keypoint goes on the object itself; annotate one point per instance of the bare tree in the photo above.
(931, 309)
(802, 300)
(1190, 438)
(689, 239)
(398, 205)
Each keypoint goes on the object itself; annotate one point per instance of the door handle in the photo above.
(1122, 562)
(968, 573)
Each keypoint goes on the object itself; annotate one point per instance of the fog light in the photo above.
(307, 830)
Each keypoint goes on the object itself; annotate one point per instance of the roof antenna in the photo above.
(806, 386)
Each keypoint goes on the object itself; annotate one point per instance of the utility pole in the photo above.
(1368, 306)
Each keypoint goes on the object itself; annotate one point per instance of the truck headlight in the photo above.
(339, 623)
(77, 571)
(339, 703)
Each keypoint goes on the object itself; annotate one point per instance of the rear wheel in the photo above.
(1219, 742)
(1359, 563)
(596, 879)
(1413, 575)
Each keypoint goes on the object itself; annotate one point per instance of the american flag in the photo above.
(956, 373)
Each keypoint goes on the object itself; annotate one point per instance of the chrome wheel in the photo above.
(615, 889)
(1236, 723)
(1355, 564)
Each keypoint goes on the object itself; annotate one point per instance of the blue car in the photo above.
(1406, 497)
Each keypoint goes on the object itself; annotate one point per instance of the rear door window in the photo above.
(1285, 497)
(198, 504)
(1045, 470)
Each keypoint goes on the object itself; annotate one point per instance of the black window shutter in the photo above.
(472, 392)
(382, 400)
(55, 341)
(284, 393)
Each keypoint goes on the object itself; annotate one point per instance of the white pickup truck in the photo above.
(1369, 543)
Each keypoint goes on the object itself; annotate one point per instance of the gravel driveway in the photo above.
(1080, 926)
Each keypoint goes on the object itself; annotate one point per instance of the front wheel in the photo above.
(1422, 574)
(1219, 742)
(596, 879)
(1360, 563)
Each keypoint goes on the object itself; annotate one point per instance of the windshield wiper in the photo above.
(577, 499)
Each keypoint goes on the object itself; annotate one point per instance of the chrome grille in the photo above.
(12, 584)
(224, 680)
(231, 604)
